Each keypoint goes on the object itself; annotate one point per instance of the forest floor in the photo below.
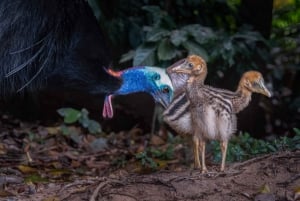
(46, 164)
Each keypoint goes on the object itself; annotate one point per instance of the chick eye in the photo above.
(166, 90)
(256, 85)
(190, 65)
(156, 77)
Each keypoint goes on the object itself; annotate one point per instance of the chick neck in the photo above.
(197, 78)
(243, 97)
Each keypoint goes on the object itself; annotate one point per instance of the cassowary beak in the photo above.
(163, 96)
(152, 80)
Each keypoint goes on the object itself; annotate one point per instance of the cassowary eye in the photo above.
(156, 77)
(166, 90)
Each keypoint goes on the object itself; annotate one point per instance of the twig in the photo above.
(85, 182)
(66, 195)
(96, 191)
(239, 165)
(29, 157)
(122, 194)
(291, 180)
(101, 185)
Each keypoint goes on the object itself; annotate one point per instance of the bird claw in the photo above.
(204, 170)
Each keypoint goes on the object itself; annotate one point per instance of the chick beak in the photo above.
(180, 69)
(263, 89)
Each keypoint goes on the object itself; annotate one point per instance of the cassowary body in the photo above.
(212, 110)
(58, 44)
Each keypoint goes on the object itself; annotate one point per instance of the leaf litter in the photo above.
(45, 163)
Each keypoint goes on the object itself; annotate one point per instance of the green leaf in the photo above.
(166, 51)
(156, 34)
(195, 48)
(154, 10)
(65, 130)
(35, 178)
(201, 34)
(94, 127)
(99, 144)
(145, 55)
(178, 37)
(297, 131)
(70, 115)
(127, 56)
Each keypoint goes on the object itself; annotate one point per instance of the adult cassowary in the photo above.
(59, 44)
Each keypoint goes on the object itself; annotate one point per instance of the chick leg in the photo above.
(224, 151)
(196, 152)
(202, 151)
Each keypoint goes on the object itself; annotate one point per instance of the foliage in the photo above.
(243, 146)
(165, 42)
(284, 70)
(79, 116)
(146, 160)
(152, 157)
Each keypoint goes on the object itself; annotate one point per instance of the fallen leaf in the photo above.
(52, 198)
(297, 193)
(264, 189)
(99, 144)
(4, 193)
(156, 140)
(56, 173)
(27, 169)
(35, 178)
(53, 130)
(3, 149)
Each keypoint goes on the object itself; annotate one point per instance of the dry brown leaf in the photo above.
(3, 149)
(297, 193)
(156, 140)
(27, 169)
(53, 130)
(264, 189)
(51, 198)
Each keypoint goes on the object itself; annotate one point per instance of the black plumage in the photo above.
(55, 43)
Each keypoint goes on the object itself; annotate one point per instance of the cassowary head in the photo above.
(152, 80)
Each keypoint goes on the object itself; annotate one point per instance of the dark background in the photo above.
(233, 36)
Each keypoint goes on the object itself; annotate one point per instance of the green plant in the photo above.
(165, 42)
(166, 154)
(146, 160)
(244, 146)
(78, 116)
(120, 162)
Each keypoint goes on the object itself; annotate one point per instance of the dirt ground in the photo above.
(266, 178)
(39, 163)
